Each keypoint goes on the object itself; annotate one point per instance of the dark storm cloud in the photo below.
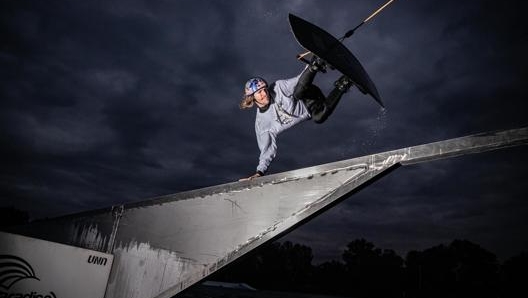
(104, 80)
(105, 102)
(449, 57)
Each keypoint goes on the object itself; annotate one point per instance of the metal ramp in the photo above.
(164, 245)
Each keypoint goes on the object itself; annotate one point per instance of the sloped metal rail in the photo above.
(164, 245)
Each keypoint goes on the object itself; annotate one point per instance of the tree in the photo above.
(476, 271)
(368, 267)
(330, 277)
(274, 266)
(514, 275)
(462, 269)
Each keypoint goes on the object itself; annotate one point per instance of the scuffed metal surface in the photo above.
(388, 161)
(88, 236)
(141, 270)
(192, 238)
(163, 245)
(90, 230)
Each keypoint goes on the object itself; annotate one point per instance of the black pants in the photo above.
(319, 106)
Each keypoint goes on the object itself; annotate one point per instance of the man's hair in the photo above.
(247, 102)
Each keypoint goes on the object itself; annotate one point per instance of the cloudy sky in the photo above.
(108, 102)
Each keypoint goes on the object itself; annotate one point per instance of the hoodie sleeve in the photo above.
(268, 149)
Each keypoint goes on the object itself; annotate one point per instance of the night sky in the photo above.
(109, 102)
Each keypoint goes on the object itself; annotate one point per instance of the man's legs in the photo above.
(303, 89)
(320, 107)
(326, 107)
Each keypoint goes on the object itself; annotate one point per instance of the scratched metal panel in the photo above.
(90, 230)
(464, 145)
(163, 245)
(169, 246)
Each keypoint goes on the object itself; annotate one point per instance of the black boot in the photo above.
(317, 64)
(343, 83)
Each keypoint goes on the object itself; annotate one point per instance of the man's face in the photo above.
(261, 97)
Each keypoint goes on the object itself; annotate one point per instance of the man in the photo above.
(286, 103)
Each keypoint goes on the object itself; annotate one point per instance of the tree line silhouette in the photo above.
(460, 269)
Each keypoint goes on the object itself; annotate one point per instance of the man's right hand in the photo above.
(256, 175)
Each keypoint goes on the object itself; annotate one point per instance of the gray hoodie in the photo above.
(284, 112)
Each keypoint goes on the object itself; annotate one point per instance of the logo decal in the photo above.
(14, 269)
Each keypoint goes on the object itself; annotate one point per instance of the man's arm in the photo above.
(268, 150)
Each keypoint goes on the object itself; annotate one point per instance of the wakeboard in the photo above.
(325, 46)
